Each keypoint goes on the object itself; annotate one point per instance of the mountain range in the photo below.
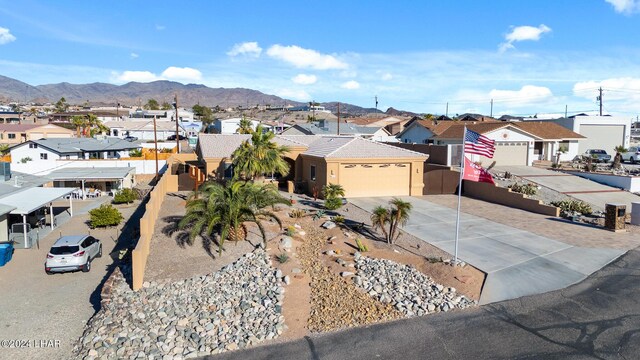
(135, 93)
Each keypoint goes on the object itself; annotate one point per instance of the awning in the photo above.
(32, 199)
(90, 174)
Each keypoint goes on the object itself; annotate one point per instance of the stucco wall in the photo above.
(628, 183)
(504, 196)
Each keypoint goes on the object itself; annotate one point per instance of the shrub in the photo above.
(338, 219)
(526, 189)
(333, 203)
(361, 246)
(290, 231)
(135, 153)
(167, 150)
(105, 215)
(125, 196)
(297, 213)
(318, 214)
(282, 258)
(25, 160)
(571, 206)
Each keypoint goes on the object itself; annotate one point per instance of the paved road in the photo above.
(517, 262)
(598, 318)
(583, 189)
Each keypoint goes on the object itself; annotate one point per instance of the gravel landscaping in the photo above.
(231, 309)
(405, 288)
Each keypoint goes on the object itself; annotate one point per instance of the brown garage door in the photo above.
(361, 180)
(508, 153)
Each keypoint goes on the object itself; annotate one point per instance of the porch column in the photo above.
(70, 206)
(84, 195)
(24, 228)
(51, 214)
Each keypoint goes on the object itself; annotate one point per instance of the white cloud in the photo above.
(528, 94)
(625, 6)
(299, 95)
(523, 33)
(249, 48)
(160, 27)
(304, 79)
(134, 55)
(185, 73)
(350, 85)
(386, 76)
(137, 76)
(6, 36)
(624, 88)
(305, 58)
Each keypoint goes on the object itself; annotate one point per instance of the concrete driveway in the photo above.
(582, 189)
(517, 262)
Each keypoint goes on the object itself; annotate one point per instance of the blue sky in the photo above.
(529, 56)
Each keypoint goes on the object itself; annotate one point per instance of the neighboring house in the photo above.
(363, 167)
(325, 127)
(230, 126)
(423, 131)
(185, 115)
(47, 150)
(601, 132)
(104, 178)
(143, 130)
(517, 143)
(102, 115)
(19, 133)
(392, 124)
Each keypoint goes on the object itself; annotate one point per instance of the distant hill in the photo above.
(134, 93)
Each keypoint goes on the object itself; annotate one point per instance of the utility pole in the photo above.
(155, 141)
(491, 108)
(446, 113)
(338, 118)
(376, 102)
(565, 111)
(599, 98)
(175, 105)
(118, 110)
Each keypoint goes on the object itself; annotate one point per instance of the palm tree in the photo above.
(224, 210)
(332, 194)
(396, 214)
(245, 126)
(80, 122)
(95, 126)
(380, 218)
(399, 216)
(617, 160)
(259, 156)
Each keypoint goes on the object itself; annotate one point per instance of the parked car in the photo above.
(131, 138)
(72, 253)
(632, 156)
(598, 154)
(173, 137)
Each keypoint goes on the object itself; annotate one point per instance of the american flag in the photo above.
(475, 143)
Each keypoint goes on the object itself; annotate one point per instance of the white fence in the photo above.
(628, 183)
(45, 167)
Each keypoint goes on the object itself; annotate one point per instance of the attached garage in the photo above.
(389, 179)
(601, 137)
(508, 153)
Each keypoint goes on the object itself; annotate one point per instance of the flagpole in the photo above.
(455, 253)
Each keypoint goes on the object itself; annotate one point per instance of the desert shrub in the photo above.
(333, 203)
(333, 194)
(135, 153)
(282, 258)
(105, 215)
(125, 196)
(318, 214)
(297, 213)
(338, 219)
(25, 160)
(166, 150)
(290, 231)
(573, 206)
(526, 189)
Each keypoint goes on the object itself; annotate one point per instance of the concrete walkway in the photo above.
(517, 262)
(586, 190)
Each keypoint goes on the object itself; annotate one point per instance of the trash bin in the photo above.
(614, 218)
(6, 252)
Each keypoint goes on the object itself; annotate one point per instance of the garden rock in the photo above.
(328, 225)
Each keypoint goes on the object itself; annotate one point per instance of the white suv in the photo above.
(632, 156)
(71, 253)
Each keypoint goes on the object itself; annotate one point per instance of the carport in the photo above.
(105, 178)
(30, 200)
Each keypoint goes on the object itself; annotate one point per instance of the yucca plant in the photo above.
(395, 215)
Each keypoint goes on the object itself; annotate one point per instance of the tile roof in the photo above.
(17, 127)
(547, 130)
(220, 145)
(357, 148)
(331, 128)
(456, 130)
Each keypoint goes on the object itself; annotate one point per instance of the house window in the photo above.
(33, 146)
(43, 156)
(11, 136)
(228, 170)
(313, 173)
(67, 157)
